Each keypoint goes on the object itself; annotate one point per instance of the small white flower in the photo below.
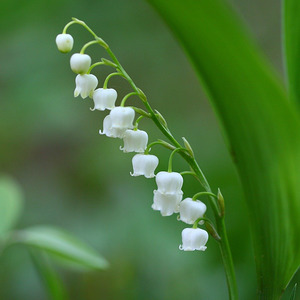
(166, 203)
(64, 42)
(191, 210)
(122, 119)
(144, 164)
(135, 141)
(85, 85)
(109, 131)
(169, 182)
(80, 63)
(193, 239)
(104, 99)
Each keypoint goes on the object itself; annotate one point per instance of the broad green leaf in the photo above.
(61, 245)
(261, 125)
(11, 202)
(292, 46)
(49, 277)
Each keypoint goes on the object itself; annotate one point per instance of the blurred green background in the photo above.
(76, 179)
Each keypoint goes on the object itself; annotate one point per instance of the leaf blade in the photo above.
(11, 203)
(261, 125)
(62, 245)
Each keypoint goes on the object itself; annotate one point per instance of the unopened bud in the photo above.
(221, 203)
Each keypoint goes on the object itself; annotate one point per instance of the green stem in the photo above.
(68, 25)
(87, 45)
(188, 173)
(126, 97)
(100, 63)
(138, 121)
(171, 159)
(153, 144)
(110, 76)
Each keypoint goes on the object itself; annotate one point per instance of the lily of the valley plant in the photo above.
(124, 122)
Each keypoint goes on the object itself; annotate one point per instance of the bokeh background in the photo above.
(78, 180)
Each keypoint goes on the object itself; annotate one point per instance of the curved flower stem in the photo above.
(159, 142)
(221, 229)
(126, 97)
(171, 158)
(100, 63)
(136, 124)
(204, 193)
(110, 76)
(87, 45)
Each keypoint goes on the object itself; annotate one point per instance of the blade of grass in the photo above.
(261, 125)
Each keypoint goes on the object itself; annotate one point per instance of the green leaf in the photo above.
(292, 46)
(50, 278)
(11, 202)
(261, 125)
(61, 245)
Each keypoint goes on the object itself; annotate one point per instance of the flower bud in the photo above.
(144, 164)
(80, 63)
(104, 99)
(167, 204)
(135, 141)
(191, 210)
(169, 182)
(193, 239)
(85, 85)
(64, 42)
(122, 118)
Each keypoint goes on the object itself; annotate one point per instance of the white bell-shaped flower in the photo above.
(64, 42)
(80, 63)
(135, 141)
(144, 164)
(104, 99)
(85, 85)
(169, 182)
(109, 131)
(166, 203)
(191, 210)
(193, 239)
(122, 119)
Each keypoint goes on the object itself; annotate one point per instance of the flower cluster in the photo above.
(120, 123)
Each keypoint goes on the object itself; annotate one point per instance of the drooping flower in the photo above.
(169, 182)
(144, 164)
(80, 63)
(122, 118)
(64, 42)
(104, 99)
(135, 141)
(166, 203)
(191, 210)
(117, 122)
(193, 239)
(85, 85)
